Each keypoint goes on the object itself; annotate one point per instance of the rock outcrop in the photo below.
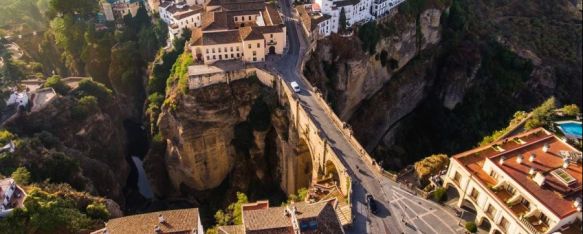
(97, 143)
(235, 132)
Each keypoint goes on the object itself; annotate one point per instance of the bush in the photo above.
(85, 106)
(57, 84)
(97, 211)
(571, 110)
(21, 176)
(430, 165)
(233, 215)
(471, 227)
(88, 87)
(541, 115)
(369, 36)
(5, 137)
(440, 195)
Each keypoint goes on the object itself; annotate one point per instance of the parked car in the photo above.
(371, 203)
(295, 86)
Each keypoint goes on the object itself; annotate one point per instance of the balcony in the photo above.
(518, 208)
(535, 225)
(270, 43)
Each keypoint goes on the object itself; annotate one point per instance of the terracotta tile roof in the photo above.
(196, 37)
(177, 221)
(555, 195)
(317, 217)
(214, 21)
(268, 29)
(273, 15)
(232, 229)
(193, 10)
(304, 16)
(221, 37)
(248, 34)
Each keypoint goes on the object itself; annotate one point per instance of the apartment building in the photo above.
(315, 24)
(180, 15)
(245, 30)
(355, 10)
(11, 196)
(302, 217)
(528, 183)
(170, 221)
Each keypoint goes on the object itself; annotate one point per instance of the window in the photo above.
(219, 50)
(474, 194)
(457, 178)
(258, 44)
(237, 54)
(249, 45)
(490, 211)
(231, 49)
(271, 35)
(236, 18)
(213, 50)
(504, 224)
(237, 48)
(220, 56)
(249, 17)
(207, 50)
(208, 57)
(214, 57)
(254, 53)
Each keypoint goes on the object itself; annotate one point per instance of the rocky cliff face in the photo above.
(96, 143)
(443, 77)
(348, 76)
(225, 132)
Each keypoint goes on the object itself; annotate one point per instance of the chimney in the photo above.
(161, 219)
(532, 171)
(539, 179)
(546, 147)
(157, 229)
(532, 157)
(519, 158)
(502, 159)
(566, 162)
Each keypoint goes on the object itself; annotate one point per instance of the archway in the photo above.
(303, 165)
(331, 173)
(453, 195)
(469, 210)
(485, 224)
(272, 50)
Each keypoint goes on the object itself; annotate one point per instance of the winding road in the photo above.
(399, 211)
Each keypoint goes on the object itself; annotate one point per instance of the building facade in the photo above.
(245, 30)
(180, 15)
(529, 183)
(302, 217)
(169, 221)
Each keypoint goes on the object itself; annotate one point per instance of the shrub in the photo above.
(430, 165)
(541, 115)
(471, 227)
(5, 137)
(88, 87)
(233, 214)
(571, 110)
(57, 84)
(440, 194)
(97, 211)
(21, 176)
(85, 106)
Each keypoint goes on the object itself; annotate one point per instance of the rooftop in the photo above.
(176, 221)
(319, 217)
(555, 195)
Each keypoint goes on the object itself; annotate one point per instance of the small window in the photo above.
(214, 57)
(219, 50)
(258, 45)
(249, 46)
(249, 17)
(272, 35)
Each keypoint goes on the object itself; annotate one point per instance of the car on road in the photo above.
(371, 203)
(295, 86)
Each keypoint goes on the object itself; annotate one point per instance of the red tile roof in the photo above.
(177, 221)
(555, 195)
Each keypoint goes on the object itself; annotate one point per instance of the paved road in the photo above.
(399, 211)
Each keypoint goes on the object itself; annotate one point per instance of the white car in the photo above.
(295, 86)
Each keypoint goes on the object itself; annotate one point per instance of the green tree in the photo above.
(541, 115)
(571, 110)
(57, 84)
(430, 165)
(471, 227)
(21, 176)
(233, 215)
(342, 21)
(97, 211)
(5, 137)
(440, 194)
(369, 37)
(301, 195)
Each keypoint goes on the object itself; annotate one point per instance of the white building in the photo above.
(244, 30)
(355, 10)
(315, 24)
(179, 15)
(529, 183)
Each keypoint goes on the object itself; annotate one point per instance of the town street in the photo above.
(399, 211)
